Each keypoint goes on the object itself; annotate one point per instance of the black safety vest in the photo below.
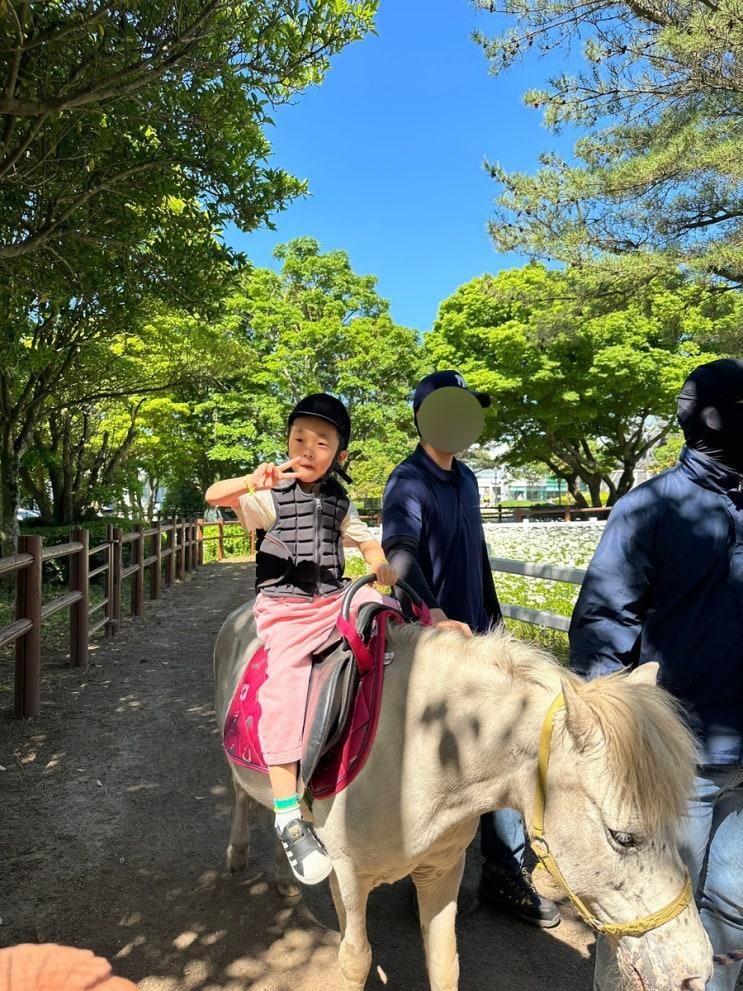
(302, 554)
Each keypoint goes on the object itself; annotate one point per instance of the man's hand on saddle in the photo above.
(442, 622)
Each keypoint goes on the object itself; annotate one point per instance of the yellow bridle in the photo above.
(541, 849)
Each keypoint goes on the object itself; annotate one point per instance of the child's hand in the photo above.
(268, 475)
(386, 574)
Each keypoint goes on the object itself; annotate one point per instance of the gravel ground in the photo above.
(114, 823)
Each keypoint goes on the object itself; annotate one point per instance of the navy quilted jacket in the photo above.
(666, 585)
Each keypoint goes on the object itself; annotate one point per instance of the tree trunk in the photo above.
(571, 480)
(35, 486)
(9, 492)
(594, 487)
(154, 484)
(626, 481)
(574, 489)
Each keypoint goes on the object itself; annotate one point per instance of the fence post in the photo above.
(156, 571)
(28, 647)
(177, 548)
(79, 615)
(170, 567)
(108, 584)
(200, 541)
(191, 526)
(137, 591)
(220, 539)
(116, 554)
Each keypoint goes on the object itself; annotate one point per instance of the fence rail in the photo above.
(552, 572)
(518, 514)
(177, 548)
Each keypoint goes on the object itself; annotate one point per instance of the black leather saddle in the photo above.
(334, 682)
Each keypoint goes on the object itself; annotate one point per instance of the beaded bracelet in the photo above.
(249, 487)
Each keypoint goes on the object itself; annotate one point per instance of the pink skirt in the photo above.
(291, 627)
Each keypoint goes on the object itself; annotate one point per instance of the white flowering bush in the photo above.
(568, 544)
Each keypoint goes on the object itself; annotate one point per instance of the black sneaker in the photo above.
(307, 857)
(515, 893)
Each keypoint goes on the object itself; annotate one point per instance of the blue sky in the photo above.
(393, 144)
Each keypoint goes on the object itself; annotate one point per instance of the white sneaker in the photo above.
(307, 857)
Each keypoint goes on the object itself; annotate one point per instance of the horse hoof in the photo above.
(289, 890)
(236, 860)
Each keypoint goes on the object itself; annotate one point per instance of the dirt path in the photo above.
(114, 817)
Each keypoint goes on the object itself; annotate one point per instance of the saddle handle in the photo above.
(367, 580)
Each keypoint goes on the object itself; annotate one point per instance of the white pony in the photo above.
(459, 735)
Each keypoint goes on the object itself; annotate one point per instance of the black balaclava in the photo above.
(710, 411)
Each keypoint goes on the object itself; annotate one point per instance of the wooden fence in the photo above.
(517, 514)
(168, 550)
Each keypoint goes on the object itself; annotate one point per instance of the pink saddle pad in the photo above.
(339, 766)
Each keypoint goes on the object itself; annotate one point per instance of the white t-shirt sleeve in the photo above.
(353, 530)
(256, 512)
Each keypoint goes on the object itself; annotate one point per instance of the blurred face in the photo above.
(315, 442)
(450, 419)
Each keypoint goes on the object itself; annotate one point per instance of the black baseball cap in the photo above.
(326, 407)
(445, 380)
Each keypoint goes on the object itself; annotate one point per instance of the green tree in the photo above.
(112, 423)
(118, 106)
(586, 389)
(656, 181)
(132, 132)
(315, 326)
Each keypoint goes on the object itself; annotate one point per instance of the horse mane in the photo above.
(651, 753)
(650, 749)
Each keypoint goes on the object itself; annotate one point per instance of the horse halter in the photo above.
(541, 848)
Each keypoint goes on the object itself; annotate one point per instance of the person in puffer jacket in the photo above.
(307, 517)
(666, 585)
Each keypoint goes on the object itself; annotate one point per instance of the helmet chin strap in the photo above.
(340, 470)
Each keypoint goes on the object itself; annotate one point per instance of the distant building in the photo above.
(502, 484)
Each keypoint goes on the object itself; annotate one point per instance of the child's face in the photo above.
(315, 442)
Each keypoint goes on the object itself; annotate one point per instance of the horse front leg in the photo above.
(350, 895)
(437, 889)
(340, 909)
(237, 849)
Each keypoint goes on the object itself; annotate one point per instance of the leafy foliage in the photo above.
(315, 326)
(584, 385)
(657, 179)
(132, 133)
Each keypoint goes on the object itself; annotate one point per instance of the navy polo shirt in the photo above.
(440, 510)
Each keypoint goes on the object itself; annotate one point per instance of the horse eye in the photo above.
(627, 841)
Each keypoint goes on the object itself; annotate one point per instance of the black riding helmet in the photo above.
(326, 407)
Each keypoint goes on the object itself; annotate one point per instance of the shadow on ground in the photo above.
(115, 815)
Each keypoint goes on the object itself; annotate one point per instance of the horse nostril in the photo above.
(693, 984)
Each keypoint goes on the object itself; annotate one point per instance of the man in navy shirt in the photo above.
(432, 535)
(666, 585)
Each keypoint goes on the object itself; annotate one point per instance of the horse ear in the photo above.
(645, 674)
(578, 717)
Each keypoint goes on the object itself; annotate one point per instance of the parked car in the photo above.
(26, 514)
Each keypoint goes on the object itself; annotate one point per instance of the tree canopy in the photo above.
(315, 326)
(586, 388)
(656, 183)
(130, 135)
